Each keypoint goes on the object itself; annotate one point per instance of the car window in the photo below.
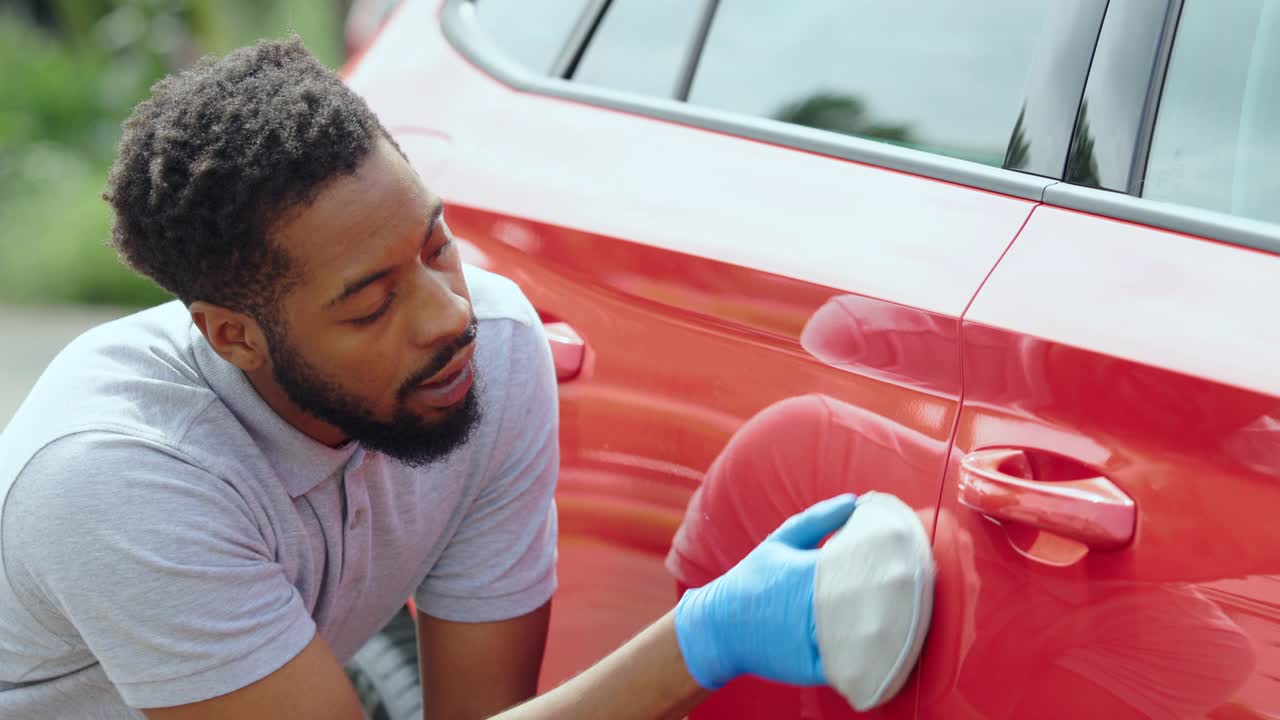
(1216, 142)
(938, 75)
(641, 46)
(531, 33)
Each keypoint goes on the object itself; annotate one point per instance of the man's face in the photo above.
(375, 341)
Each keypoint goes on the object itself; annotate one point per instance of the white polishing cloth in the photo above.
(873, 597)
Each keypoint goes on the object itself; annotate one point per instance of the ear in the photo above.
(237, 337)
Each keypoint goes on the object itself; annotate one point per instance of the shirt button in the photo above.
(355, 518)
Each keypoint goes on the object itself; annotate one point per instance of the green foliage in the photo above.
(842, 113)
(1082, 161)
(64, 92)
(850, 114)
(53, 248)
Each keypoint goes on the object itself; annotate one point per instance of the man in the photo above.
(210, 505)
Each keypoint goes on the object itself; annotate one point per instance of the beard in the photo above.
(407, 437)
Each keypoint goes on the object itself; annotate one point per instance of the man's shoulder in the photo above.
(496, 298)
(135, 374)
(83, 470)
(152, 345)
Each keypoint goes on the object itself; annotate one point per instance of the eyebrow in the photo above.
(354, 286)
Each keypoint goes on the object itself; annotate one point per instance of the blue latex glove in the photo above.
(757, 619)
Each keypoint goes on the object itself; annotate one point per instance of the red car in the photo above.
(1014, 261)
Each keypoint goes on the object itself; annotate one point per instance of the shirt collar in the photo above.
(301, 462)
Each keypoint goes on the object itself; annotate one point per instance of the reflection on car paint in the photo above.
(1146, 632)
(790, 455)
(809, 307)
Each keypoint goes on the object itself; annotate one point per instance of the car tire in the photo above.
(385, 672)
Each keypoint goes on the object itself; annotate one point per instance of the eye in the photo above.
(444, 255)
(372, 317)
(442, 250)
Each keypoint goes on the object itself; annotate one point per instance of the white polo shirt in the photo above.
(167, 538)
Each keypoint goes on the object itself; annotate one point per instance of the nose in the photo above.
(441, 310)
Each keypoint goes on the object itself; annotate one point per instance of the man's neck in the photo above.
(271, 393)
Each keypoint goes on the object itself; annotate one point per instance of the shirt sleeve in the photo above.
(154, 565)
(500, 563)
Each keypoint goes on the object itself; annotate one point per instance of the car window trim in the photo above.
(459, 24)
(694, 55)
(1127, 88)
(462, 31)
(575, 45)
(1197, 222)
(1155, 94)
(1041, 124)
(1129, 204)
(589, 26)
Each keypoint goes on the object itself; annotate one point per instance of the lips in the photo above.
(449, 386)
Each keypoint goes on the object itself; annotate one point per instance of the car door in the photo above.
(1107, 542)
(711, 277)
(738, 228)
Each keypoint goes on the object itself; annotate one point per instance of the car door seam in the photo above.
(955, 422)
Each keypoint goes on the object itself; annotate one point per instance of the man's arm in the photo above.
(661, 673)
(645, 679)
(756, 619)
(472, 671)
(161, 568)
(312, 685)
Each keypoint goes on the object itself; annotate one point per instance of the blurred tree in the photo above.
(39, 11)
(1019, 152)
(73, 70)
(843, 114)
(1082, 162)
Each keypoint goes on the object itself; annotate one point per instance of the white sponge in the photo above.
(873, 597)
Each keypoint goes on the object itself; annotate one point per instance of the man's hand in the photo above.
(757, 619)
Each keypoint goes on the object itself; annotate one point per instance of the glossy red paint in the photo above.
(1082, 507)
(779, 462)
(842, 333)
(705, 286)
(568, 351)
(664, 389)
(1141, 356)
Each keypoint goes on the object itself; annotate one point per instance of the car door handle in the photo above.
(567, 349)
(999, 483)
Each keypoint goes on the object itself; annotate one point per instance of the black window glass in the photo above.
(1113, 109)
(1055, 83)
(532, 33)
(938, 75)
(641, 46)
(1216, 142)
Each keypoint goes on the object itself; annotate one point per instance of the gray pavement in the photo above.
(32, 336)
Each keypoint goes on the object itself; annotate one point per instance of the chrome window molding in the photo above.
(464, 34)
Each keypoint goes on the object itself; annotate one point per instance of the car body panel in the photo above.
(693, 319)
(732, 279)
(1191, 305)
(1145, 357)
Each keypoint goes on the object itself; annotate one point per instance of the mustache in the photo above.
(442, 358)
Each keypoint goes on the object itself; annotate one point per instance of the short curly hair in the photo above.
(216, 154)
